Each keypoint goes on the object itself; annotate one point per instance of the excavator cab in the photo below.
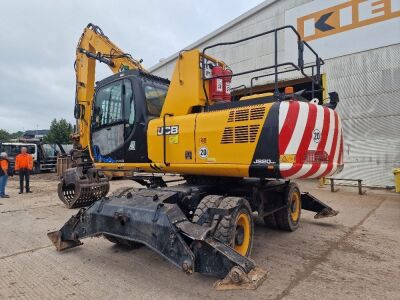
(123, 105)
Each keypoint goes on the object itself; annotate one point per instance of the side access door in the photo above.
(118, 131)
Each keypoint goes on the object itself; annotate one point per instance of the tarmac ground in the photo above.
(353, 255)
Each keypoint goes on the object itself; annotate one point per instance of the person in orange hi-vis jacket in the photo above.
(24, 165)
(4, 170)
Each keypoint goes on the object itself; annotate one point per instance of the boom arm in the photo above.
(94, 45)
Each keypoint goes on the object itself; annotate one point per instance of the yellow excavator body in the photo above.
(234, 156)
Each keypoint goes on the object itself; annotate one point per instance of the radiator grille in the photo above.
(240, 134)
(253, 132)
(255, 113)
(227, 136)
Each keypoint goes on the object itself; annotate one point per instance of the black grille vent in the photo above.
(231, 116)
(253, 132)
(240, 134)
(256, 113)
(242, 115)
(227, 136)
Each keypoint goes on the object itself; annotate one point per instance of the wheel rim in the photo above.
(295, 207)
(242, 234)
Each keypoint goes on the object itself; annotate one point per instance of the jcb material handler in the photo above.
(235, 157)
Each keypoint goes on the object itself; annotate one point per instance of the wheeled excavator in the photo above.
(235, 159)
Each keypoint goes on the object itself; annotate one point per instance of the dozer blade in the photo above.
(147, 218)
(311, 203)
(79, 189)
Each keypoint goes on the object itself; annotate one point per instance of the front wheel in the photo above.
(236, 230)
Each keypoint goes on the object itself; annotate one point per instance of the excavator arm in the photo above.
(81, 184)
(94, 46)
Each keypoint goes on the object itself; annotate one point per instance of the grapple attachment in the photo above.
(151, 217)
(78, 188)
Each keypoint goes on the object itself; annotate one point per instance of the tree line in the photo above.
(60, 131)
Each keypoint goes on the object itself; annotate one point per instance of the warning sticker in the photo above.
(287, 158)
(173, 139)
(203, 152)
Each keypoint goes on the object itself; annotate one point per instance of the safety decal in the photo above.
(287, 158)
(173, 139)
(203, 152)
(132, 146)
(188, 155)
(316, 135)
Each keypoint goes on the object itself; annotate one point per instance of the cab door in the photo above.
(115, 130)
(108, 124)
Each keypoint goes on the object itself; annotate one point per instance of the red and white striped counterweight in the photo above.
(310, 140)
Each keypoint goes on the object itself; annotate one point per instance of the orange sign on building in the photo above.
(345, 16)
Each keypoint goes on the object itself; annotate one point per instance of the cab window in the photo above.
(155, 97)
(108, 104)
(129, 103)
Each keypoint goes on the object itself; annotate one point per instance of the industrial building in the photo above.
(360, 43)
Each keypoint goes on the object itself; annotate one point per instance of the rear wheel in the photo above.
(236, 229)
(289, 218)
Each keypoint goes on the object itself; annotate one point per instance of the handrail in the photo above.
(270, 74)
(296, 67)
(165, 140)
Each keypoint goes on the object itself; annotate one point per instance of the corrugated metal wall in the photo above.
(246, 55)
(369, 87)
(368, 84)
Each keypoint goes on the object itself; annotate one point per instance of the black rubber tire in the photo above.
(36, 168)
(207, 202)
(122, 242)
(283, 217)
(226, 229)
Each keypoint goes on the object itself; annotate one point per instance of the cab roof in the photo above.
(136, 73)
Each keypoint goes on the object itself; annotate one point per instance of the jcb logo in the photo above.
(169, 130)
(346, 16)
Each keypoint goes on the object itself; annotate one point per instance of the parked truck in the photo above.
(44, 155)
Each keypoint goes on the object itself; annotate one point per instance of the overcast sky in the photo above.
(38, 40)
